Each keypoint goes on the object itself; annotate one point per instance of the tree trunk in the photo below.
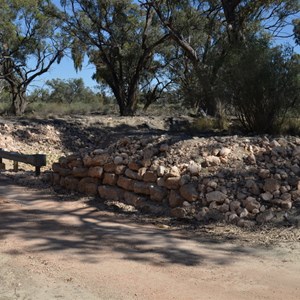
(19, 102)
(127, 103)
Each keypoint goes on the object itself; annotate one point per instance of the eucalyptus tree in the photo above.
(209, 31)
(30, 43)
(120, 38)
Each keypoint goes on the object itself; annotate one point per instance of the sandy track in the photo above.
(51, 249)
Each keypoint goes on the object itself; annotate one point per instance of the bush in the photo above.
(42, 108)
(262, 84)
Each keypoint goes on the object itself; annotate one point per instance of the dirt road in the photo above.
(51, 249)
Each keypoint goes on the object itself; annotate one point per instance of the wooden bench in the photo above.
(36, 160)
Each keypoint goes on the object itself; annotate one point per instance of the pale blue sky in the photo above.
(66, 70)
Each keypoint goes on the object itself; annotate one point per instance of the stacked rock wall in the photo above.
(239, 180)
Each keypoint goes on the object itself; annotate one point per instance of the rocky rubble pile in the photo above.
(234, 179)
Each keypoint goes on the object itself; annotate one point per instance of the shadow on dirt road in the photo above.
(48, 225)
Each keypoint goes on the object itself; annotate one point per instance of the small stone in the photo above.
(95, 172)
(146, 162)
(134, 165)
(142, 171)
(148, 153)
(157, 193)
(193, 168)
(88, 186)
(295, 169)
(241, 196)
(178, 212)
(217, 196)
(286, 196)
(251, 159)
(233, 217)
(286, 204)
(245, 223)
(150, 176)
(71, 183)
(161, 170)
(214, 215)
(172, 183)
(109, 167)
(175, 199)
(120, 169)
(189, 192)
(141, 188)
(174, 172)
(266, 196)
(61, 171)
(251, 203)
(110, 178)
(264, 173)
(224, 208)
(215, 152)
(186, 178)
(110, 192)
(252, 187)
(224, 152)
(99, 151)
(265, 217)
(211, 161)
(271, 185)
(244, 213)
(274, 144)
(98, 160)
(133, 199)
(262, 208)
(296, 152)
(213, 205)
(132, 174)
(160, 181)
(201, 215)
(118, 160)
(213, 184)
(234, 205)
(80, 172)
(186, 204)
(78, 163)
(125, 183)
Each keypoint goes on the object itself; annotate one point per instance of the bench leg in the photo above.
(16, 166)
(37, 171)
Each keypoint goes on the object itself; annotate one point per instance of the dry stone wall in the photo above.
(233, 179)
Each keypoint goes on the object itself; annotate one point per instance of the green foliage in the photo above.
(263, 85)
(71, 90)
(30, 42)
(120, 38)
(64, 97)
(65, 92)
(291, 126)
(208, 32)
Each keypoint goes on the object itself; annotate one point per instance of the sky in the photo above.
(65, 70)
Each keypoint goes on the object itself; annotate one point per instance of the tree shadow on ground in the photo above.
(46, 225)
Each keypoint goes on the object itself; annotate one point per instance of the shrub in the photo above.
(262, 84)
